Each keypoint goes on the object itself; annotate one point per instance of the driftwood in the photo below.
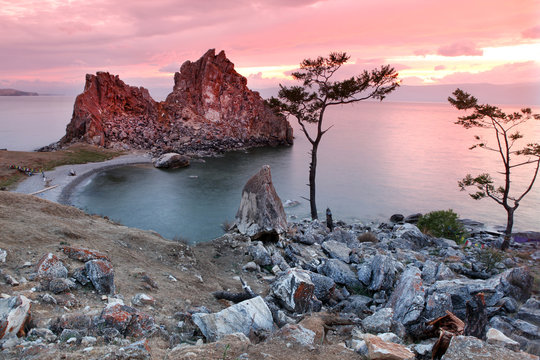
(476, 317)
(449, 325)
(236, 297)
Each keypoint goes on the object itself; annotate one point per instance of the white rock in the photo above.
(252, 314)
(14, 314)
(496, 337)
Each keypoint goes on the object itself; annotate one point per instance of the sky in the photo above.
(49, 45)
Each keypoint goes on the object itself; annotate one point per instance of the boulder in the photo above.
(379, 322)
(408, 298)
(324, 286)
(471, 348)
(171, 161)
(337, 250)
(252, 314)
(294, 290)
(259, 254)
(296, 333)
(530, 311)
(382, 350)
(378, 273)
(355, 304)
(261, 213)
(14, 316)
(101, 274)
(127, 320)
(50, 267)
(340, 272)
(496, 337)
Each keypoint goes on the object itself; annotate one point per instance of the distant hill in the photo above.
(13, 92)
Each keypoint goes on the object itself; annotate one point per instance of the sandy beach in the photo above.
(62, 184)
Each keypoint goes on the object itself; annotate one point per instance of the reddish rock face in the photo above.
(210, 108)
(50, 267)
(83, 254)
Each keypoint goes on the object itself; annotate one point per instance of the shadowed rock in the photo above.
(261, 213)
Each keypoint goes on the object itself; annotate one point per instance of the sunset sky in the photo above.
(49, 45)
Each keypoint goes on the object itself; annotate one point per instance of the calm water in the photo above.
(378, 159)
(30, 122)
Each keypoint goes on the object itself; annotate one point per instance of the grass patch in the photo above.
(75, 154)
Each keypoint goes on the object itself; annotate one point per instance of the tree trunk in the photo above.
(312, 172)
(508, 230)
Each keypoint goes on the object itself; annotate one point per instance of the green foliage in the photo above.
(443, 223)
(489, 258)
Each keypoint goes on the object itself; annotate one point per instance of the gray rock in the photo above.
(101, 274)
(14, 315)
(250, 266)
(379, 322)
(171, 161)
(3, 254)
(259, 254)
(468, 347)
(60, 285)
(261, 212)
(50, 267)
(324, 286)
(517, 283)
(396, 218)
(340, 272)
(436, 306)
(337, 250)
(343, 236)
(530, 311)
(383, 273)
(252, 314)
(141, 299)
(80, 275)
(294, 290)
(355, 304)
(41, 333)
(408, 297)
(429, 272)
(413, 218)
(412, 234)
(297, 333)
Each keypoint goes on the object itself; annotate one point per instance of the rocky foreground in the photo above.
(80, 286)
(209, 110)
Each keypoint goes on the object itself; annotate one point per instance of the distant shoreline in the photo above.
(14, 92)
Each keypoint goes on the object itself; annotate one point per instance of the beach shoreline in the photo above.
(62, 184)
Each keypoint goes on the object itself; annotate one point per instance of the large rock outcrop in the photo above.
(209, 109)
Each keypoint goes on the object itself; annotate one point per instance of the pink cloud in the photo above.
(150, 36)
(528, 71)
(439, 67)
(460, 49)
(532, 33)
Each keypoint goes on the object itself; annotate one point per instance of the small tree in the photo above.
(308, 103)
(503, 127)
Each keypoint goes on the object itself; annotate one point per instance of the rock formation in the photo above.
(210, 109)
(261, 212)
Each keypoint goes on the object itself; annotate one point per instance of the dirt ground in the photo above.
(31, 227)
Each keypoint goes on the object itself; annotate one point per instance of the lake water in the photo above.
(378, 159)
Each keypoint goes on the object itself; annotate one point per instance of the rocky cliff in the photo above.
(210, 109)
